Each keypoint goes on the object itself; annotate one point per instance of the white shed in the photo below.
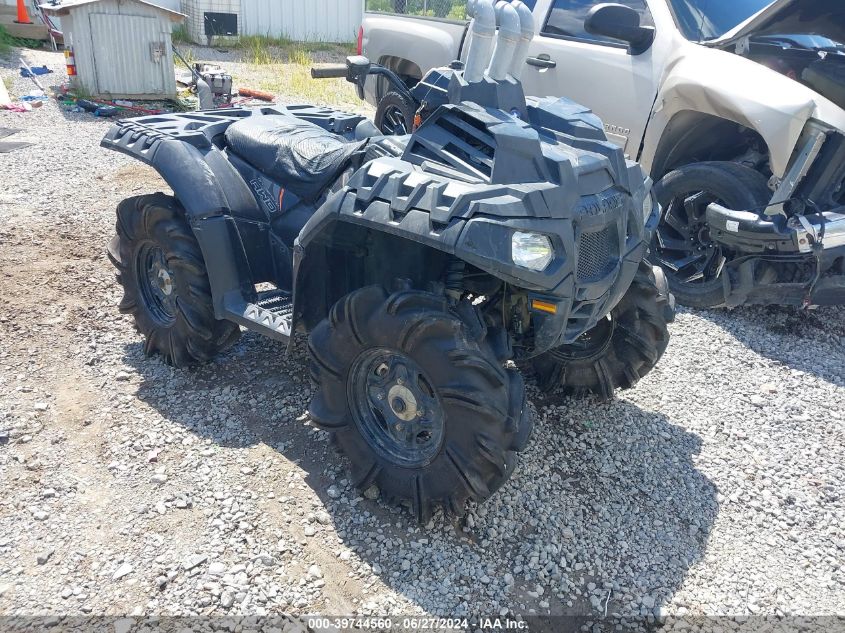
(121, 48)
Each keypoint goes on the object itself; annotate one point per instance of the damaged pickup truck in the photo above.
(735, 107)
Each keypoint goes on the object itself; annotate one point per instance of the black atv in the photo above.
(503, 229)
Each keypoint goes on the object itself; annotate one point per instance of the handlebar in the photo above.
(356, 71)
(329, 72)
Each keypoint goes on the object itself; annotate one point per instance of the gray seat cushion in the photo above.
(299, 155)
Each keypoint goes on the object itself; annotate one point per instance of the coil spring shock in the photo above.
(455, 278)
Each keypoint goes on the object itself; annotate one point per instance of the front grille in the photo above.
(598, 253)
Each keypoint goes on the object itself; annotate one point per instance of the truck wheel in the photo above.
(621, 349)
(165, 283)
(417, 399)
(395, 115)
(682, 245)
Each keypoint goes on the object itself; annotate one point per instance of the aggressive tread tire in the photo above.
(194, 336)
(393, 104)
(737, 186)
(486, 420)
(637, 342)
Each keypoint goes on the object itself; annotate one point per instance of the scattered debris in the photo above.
(9, 146)
(255, 94)
(31, 74)
(27, 71)
(5, 99)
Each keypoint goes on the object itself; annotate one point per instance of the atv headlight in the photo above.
(531, 250)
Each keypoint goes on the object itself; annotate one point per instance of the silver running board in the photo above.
(271, 315)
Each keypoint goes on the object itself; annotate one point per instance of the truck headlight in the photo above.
(531, 250)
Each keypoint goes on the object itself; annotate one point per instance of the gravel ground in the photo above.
(127, 487)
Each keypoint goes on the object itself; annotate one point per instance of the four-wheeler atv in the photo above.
(503, 229)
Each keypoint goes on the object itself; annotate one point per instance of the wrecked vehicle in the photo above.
(504, 228)
(736, 109)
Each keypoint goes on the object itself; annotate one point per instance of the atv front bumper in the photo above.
(596, 259)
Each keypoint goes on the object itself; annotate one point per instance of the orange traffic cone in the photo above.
(23, 16)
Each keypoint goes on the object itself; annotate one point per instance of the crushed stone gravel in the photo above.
(127, 487)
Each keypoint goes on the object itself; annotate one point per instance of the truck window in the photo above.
(447, 9)
(566, 19)
(704, 20)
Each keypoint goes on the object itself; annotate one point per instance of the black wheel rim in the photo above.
(590, 344)
(156, 282)
(395, 407)
(683, 245)
(393, 122)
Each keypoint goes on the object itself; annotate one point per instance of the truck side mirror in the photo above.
(622, 23)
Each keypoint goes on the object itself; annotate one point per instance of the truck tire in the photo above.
(395, 115)
(165, 283)
(417, 399)
(621, 349)
(682, 245)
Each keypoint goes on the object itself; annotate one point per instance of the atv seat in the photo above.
(297, 154)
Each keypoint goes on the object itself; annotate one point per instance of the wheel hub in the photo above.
(395, 407)
(156, 283)
(683, 244)
(163, 279)
(590, 344)
(402, 402)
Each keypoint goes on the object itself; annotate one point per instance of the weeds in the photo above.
(268, 49)
(180, 35)
(281, 66)
(7, 42)
(301, 57)
(188, 54)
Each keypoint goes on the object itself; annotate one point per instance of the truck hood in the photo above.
(825, 18)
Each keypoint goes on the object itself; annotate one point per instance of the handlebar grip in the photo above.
(329, 72)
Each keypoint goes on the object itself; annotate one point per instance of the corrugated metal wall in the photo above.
(173, 5)
(303, 20)
(112, 46)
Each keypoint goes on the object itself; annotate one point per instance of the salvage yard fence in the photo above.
(303, 20)
(447, 9)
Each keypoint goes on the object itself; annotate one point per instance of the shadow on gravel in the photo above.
(811, 341)
(607, 511)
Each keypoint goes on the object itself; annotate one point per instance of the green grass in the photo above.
(283, 67)
(268, 49)
(7, 42)
(188, 53)
(180, 35)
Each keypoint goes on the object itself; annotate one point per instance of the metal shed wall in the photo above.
(119, 51)
(303, 20)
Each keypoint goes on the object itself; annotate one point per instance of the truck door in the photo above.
(596, 71)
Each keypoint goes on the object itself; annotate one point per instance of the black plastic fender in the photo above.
(212, 193)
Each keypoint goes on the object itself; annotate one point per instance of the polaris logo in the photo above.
(601, 204)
